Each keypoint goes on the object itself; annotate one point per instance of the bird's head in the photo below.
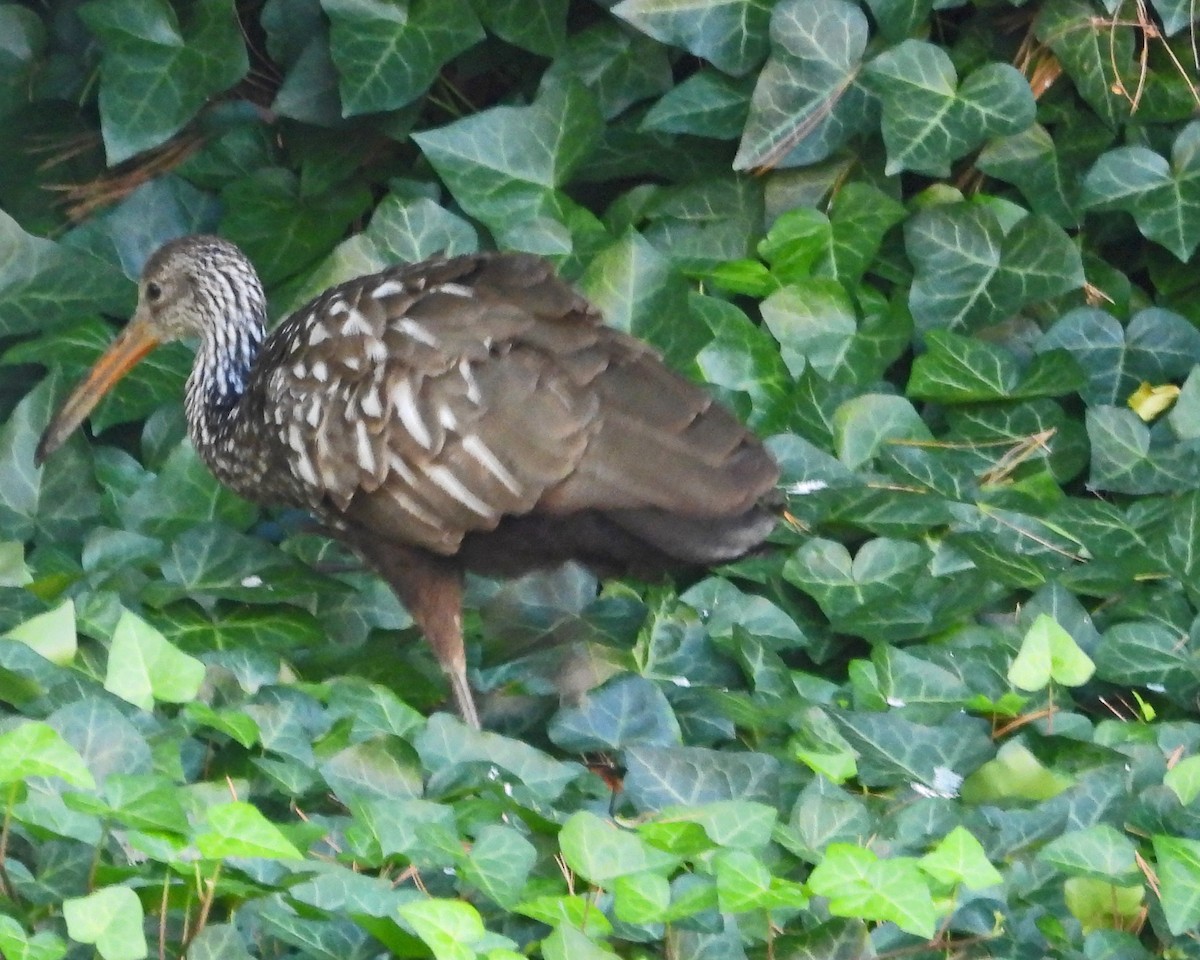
(197, 286)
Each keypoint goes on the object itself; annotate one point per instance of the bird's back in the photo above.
(476, 407)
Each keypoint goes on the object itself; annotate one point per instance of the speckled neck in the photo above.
(231, 294)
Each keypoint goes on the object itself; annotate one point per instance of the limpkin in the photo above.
(461, 414)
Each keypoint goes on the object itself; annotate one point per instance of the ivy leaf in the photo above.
(601, 851)
(971, 271)
(44, 284)
(448, 927)
(387, 54)
(51, 634)
(1178, 862)
(35, 749)
(1163, 197)
(730, 34)
(929, 120)
(156, 71)
(111, 920)
(504, 164)
(143, 666)
(960, 859)
(1048, 653)
(859, 884)
(238, 829)
(1030, 161)
(1089, 56)
(808, 101)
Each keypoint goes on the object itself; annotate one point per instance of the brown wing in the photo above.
(426, 403)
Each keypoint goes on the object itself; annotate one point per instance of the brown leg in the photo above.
(431, 590)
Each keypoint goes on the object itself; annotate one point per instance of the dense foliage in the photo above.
(939, 257)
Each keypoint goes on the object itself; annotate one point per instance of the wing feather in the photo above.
(425, 404)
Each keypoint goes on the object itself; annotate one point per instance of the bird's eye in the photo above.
(153, 292)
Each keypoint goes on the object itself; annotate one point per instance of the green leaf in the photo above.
(446, 742)
(538, 26)
(814, 322)
(807, 101)
(971, 271)
(281, 226)
(859, 884)
(1123, 460)
(157, 72)
(35, 749)
(1014, 773)
(50, 634)
(892, 749)
(237, 829)
(568, 943)
(730, 34)
(1156, 346)
(619, 66)
(15, 944)
(706, 104)
(387, 54)
(1178, 863)
(1049, 654)
(929, 120)
(1090, 56)
(641, 898)
(1099, 905)
(601, 851)
(625, 711)
(659, 777)
(1184, 779)
(504, 164)
(448, 927)
(143, 666)
(957, 369)
(1098, 851)
(1163, 198)
(499, 864)
(1030, 160)
(111, 920)
(744, 883)
(865, 425)
(44, 284)
(637, 290)
(860, 217)
(740, 824)
(959, 859)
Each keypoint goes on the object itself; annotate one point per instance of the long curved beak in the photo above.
(135, 341)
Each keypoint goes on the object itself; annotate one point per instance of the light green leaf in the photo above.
(143, 666)
(238, 829)
(959, 859)
(35, 749)
(16, 944)
(601, 851)
(1048, 653)
(111, 920)
(448, 927)
(859, 884)
(50, 634)
(1184, 779)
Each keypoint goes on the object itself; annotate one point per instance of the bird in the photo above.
(461, 414)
